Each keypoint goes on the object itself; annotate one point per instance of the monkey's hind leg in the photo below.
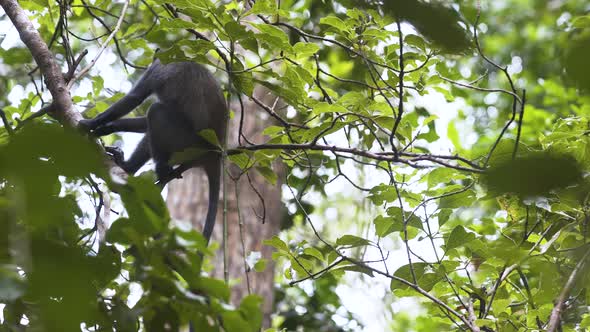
(169, 132)
(138, 158)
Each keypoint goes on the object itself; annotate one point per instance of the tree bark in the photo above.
(187, 200)
(44, 58)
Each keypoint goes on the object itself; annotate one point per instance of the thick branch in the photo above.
(64, 110)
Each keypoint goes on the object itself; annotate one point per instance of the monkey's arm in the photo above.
(122, 107)
(130, 125)
(125, 105)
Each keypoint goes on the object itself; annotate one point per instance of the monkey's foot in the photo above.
(117, 154)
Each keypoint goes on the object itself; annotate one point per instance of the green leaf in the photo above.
(268, 174)
(425, 278)
(411, 219)
(463, 199)
(458, 238)
(121, 232)
(354, 268)
(443, 216)
(323, 107)
(186, 155)
(386, 225)
(210, 136)
(415, 40)
(352, 241)
(277, 243)
(453, 135)
(65, 150)
(273, 36)
(314, 252)
(383, 193)
(260, 265)
(242, 160)
(214, 287)
(304, 50)
(190, 239)
(244, 82)
(176, 23)
(264, 7)
(234, 322)
(145, 205)
(443, 175)
(250, 308)
(581, 22)
(335, 22)
(301, 265)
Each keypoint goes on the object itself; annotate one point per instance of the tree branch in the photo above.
(64, 110)
(54, 79)
(555, 317)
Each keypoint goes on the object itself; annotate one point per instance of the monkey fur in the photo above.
(189, 100)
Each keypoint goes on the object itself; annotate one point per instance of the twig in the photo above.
(473, 87)
(7, 124)
(75, 65)
(519, 130)
(400, 107)
(102, 47)
(318, 273)
(472, 316)
(45, 110)
(242, 242)
(506, 271)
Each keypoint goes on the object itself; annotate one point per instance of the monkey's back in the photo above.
(191, 89)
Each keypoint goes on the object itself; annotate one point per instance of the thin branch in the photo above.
(473, 87)
(85, 70)
(506, 271)
(75, 65)
(472, 316)
(353, 151)
(400, 107)
(242, 242)
(275, 115)
(520, 119)
(318, 273)
(7, 124)
(555, 317)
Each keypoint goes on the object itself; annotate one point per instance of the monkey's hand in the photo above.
(86, 125)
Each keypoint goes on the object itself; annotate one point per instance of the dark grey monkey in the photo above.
(189, 101)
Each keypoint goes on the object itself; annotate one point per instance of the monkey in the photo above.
(189, 100)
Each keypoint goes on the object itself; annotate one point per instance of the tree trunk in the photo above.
(187, 200)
